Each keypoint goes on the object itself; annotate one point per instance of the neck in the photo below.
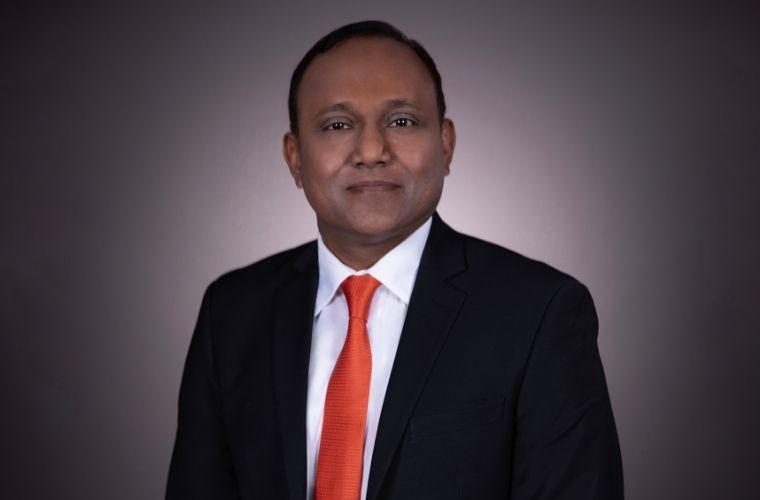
(363, 253)
(359, 257)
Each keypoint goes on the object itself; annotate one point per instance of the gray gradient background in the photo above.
(141, 158)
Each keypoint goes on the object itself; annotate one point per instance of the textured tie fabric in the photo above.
(341, 449)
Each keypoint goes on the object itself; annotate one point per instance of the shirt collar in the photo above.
(396, 270)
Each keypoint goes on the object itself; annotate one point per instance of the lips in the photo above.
(372, 186)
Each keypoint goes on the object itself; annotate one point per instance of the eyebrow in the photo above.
(338, 106)
(401, 103)
(346, 107)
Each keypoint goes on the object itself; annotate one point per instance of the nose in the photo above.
(371, 148)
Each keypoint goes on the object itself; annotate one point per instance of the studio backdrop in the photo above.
(140, 158)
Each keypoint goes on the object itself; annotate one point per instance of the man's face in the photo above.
(370, 152)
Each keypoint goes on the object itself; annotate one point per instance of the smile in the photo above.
(372, 186)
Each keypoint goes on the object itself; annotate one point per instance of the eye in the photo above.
(402, 122)
(336, 126)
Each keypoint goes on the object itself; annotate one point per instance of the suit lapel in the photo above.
(433, 308)
(294, 316)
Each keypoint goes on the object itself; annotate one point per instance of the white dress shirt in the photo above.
(396, 271)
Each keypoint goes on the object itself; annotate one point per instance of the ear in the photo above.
(448, 141)
(291, 151)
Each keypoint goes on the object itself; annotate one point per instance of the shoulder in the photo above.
(484, 256)
(496, 271)
(525, 294)
(266, 275)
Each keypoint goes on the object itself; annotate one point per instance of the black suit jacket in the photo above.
(497, 389)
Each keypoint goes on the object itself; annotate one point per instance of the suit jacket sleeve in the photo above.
(566, 444)
(201, 467)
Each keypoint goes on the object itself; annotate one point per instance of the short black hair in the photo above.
(361, 29)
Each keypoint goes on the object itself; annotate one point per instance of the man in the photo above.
(394, 358)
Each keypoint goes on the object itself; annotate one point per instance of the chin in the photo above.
(377, 227)
(374, 225)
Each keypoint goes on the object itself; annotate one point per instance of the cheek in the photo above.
(319, 165)
(426, 171)
(421, 148)
(424, 162)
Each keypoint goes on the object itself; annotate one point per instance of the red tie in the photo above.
(341, 451)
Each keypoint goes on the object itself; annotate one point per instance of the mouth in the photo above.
(372, 187)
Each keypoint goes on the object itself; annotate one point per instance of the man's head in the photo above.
(358, 30)
(369, 145)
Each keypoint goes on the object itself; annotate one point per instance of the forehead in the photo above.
(375, 68)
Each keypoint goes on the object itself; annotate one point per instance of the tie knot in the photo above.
(359, 290)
